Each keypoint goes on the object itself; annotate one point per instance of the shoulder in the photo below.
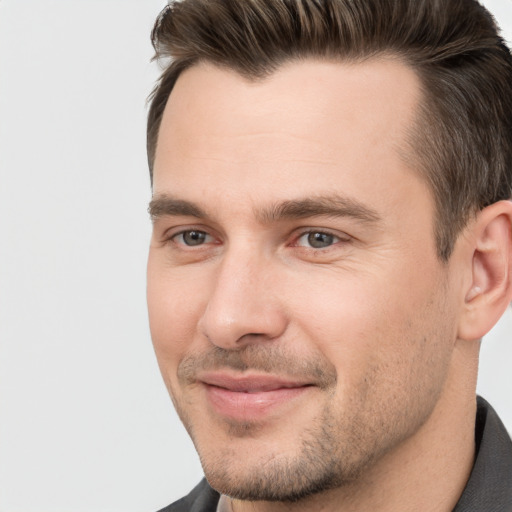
(490, 485)
(201, 499)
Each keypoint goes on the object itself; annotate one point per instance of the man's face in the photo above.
(302, 321)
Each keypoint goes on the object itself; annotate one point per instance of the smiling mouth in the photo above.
(250, 398)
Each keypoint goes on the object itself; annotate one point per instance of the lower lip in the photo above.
(250, 406)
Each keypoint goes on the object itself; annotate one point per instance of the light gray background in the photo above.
(85, 421)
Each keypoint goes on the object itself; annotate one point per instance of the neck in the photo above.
(427, 472)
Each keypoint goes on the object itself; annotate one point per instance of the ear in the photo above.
(490, 289)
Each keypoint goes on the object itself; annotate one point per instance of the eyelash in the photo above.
(190, 231)
(336, 239)
(332, 239)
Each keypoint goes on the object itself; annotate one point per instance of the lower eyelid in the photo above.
(336, 238)
(207, 238)
(177, 238)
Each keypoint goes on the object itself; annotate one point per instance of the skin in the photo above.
(370, 321)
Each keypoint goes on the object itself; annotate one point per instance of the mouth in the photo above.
(250, 397)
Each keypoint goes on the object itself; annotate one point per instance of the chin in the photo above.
(266, 473)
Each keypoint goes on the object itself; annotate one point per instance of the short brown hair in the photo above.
(463, 137)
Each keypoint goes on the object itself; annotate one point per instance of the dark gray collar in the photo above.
(489, 488)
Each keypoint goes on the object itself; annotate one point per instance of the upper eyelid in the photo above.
(177, 230)
(328, 231)
(182, 233)
(337, 239)
(342, 235)
(294, 235)
(321, 231)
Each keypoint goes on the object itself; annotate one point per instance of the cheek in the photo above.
(373, 324)
(174, 306)
(391, 353)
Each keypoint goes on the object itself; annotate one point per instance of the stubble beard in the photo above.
(316, 467)
(333, 453)
(336, 451)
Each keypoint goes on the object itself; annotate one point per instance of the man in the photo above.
(332, 238)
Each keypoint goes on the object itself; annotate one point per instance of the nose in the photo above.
(243, 305)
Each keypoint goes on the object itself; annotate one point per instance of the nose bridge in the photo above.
(243, 304)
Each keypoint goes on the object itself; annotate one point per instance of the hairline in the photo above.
(421, 123)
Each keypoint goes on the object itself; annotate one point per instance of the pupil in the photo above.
(320, 240)
(194, 237)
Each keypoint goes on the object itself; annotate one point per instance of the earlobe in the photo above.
(490, 290)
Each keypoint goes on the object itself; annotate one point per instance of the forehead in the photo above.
(310, 124)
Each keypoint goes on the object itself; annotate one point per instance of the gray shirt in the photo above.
(489, 488)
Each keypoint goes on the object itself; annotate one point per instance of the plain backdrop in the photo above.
(85, 422)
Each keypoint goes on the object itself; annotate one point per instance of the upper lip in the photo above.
(249, 383)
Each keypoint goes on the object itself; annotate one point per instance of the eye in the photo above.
(192, 238)
(317, 240)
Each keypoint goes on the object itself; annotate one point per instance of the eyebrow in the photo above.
(324, 206)
(163, 205)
